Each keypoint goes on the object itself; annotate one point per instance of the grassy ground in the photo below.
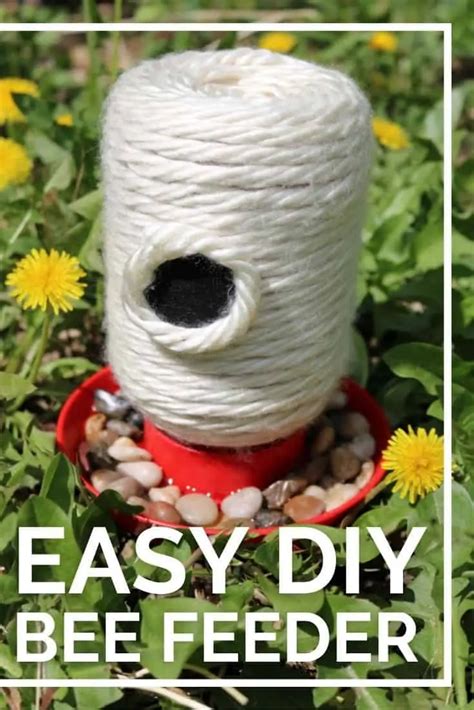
(397, 355)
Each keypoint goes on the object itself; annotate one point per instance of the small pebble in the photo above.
(117, 426)
(242, 504)
(98, 457)
(125, 449)
(279, 492)
(363, 446)
(136, 500)
(339, 494)
(303, 507)
(197, 509)
(101, 478)
(315, 491)
(351, 424)
(337, 401)
(167, 494)
(315, 469)
(94, 427)
(227, 523)
(113, 405)
(345, 465)
(164, 512)
(327, 482)
(127, 487)
(323, 440)
(366, 473)
(270, 518)
(147, 473)
(135, 419)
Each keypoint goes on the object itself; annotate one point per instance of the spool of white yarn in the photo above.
(258, 162)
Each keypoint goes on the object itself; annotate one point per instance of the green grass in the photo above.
(397, 355)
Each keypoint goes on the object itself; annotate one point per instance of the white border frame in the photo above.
(445, 28)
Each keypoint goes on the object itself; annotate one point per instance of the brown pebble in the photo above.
(227, 523)
(97, 456)
(323, 440)
(303, 507)
(352, 424)
(345, 464)
(164, 512)
(280, 491)
(315, 469)
(269, 518)
(327, 482)
(94, 427)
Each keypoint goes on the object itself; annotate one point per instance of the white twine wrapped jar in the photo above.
(258, 162)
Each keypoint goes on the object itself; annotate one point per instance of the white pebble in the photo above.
(197, 509)
(339, 494)
(167, 494)
(316, 491)
(101, 478)
(242, 504)
(366, 473)
(363, 446)
(127, 487)
(147, 473)
(338, 400)
(125, 449)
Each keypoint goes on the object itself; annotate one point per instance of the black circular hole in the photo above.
(191, 291)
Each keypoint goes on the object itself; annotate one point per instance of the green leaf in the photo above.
(41, 512)
(8, 526)
(267, 554)
(44, 148)
(284, 603)
(13, 386)
(90, 253)
(338, 602)
(420, 361)
(358, 367)
(9, 663)
(152, 633)
(389, 241)
(62, 175)
(428, 246)
(59, 482)
(69, 367)
(89, 205)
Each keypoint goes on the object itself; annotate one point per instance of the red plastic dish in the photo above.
(218, 472)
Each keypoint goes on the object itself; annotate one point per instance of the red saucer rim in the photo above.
(355, 391)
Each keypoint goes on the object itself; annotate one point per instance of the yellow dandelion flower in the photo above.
(9, 111)
(390, 134)
(415, 461)
(41, 279)
(15, 165)
(383, 42)
(64, 119)
(282, 42)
